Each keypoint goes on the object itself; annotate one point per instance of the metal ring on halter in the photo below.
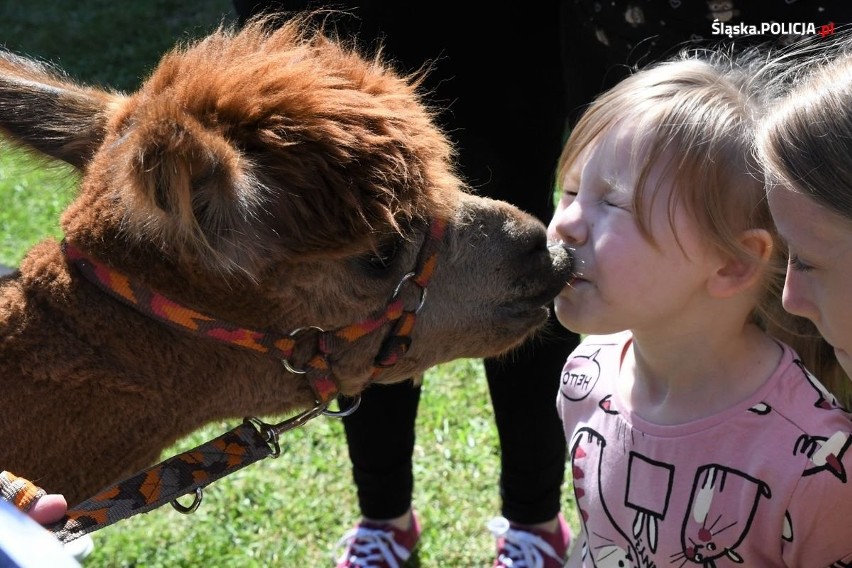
(409, 276)
(294, 333)
(192, 507)
(356, 402)
(290, 368)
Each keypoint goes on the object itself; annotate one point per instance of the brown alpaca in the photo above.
(273, 179)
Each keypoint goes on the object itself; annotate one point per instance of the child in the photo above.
(696, 438)
(805, 143)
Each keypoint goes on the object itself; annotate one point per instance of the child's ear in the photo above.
(739, 274)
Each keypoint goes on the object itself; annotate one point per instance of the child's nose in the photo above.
(568, 225)
(795, 297)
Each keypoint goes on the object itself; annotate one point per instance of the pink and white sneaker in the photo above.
(377, 545)
(519, 547)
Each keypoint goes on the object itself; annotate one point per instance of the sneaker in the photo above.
(377, 545)
(529, 548)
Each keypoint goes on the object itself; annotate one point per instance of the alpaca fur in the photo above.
(274, 179)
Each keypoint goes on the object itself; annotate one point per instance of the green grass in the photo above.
(33, 193)
(97, 42)
(283, 512)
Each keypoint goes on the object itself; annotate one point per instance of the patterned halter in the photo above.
(276, 345)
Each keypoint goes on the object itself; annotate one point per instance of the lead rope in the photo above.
(165, 482)
(185, 473)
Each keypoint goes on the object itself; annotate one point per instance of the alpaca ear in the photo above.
(739, 274)
(42, 109)
(187, 184)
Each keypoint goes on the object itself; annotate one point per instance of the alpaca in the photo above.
(276, 180)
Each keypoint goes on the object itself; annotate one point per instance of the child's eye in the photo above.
(568, 196)
(798, 265)
(615, 204)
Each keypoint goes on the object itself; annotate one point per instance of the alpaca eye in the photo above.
(382, 258)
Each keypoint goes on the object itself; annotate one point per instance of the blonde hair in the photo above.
(697, 115)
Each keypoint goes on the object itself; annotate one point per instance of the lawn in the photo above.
(283, 512)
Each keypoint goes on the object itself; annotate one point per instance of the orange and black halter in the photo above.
(276, 345)
(253, 440)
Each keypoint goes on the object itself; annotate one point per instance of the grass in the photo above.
(283, 512)
(33, 194)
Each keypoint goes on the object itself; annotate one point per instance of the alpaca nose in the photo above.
(536, 243)
(562, 256)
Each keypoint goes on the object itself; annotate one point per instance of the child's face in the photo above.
(625, 281)
(819, 278)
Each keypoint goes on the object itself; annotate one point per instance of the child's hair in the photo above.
(695, 114)
(696, 117)
(805, 141)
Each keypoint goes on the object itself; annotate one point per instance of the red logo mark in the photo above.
(826, 29)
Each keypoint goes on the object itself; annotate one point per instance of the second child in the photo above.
(696, 437)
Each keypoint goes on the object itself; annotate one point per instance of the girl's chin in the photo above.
(563, 318)
(569, 321)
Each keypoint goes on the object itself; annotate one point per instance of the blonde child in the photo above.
(696, 437)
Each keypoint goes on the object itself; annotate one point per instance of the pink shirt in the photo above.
(764, 483)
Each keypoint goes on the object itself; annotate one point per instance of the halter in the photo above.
(254, 440)
(279, 346)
